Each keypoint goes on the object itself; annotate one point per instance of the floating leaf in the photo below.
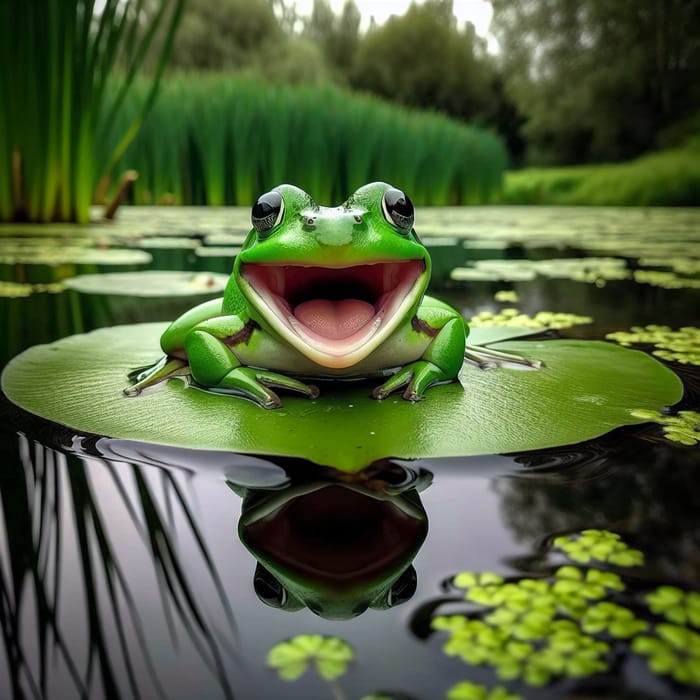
(329, 655)
(149, 283)
(598, 545)
(586, 388)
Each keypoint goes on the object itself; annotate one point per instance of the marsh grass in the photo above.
(216, 139)
(666, 178)
(66, 69)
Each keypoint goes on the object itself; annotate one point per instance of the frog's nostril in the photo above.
(358, 219)
(310, 221)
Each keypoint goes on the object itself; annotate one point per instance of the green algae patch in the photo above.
(585, 389)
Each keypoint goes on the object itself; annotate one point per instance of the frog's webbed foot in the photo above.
(417, 377)
(163, 369)
(488, 358)
(256, 384)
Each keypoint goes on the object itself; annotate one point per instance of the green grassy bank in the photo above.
(217, 139)
(665, 178)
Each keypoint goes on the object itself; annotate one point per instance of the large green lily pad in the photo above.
(586, 388)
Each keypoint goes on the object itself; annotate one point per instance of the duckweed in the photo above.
(540, 321)
(665, 279)
(474, 691)
(13, 290)
(672, 651)
(684, 427)
(329, 655)
(506, 295)
(598, 545)
(564, 624)
(676, 605)
(682, 345)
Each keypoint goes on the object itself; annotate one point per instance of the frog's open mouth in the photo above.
(334, 315)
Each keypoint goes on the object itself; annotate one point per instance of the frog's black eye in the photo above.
(267, 211)
(398, 209)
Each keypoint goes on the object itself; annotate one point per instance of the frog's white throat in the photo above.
(335, 315)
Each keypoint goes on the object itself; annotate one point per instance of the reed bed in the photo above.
(222, 140)
(66, 67)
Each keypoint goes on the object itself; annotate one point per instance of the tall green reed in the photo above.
(222, 139)
(66, 69)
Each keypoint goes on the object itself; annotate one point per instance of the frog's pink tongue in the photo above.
(334, 319)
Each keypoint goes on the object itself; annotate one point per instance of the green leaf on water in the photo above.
(586, 389)
(329, 655)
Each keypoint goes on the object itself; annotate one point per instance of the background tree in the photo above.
(338, 37)
(598, 79)
(423, 58)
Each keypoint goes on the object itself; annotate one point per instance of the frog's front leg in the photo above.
(440, 362)
(210, 349)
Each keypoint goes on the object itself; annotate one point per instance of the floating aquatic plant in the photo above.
(684, 427)
(598, 545)
(592, 270)
(474, 691)
(506, 295)
(665, 279)
(676, 605)
(572, 623)
(540, 321)
(330, 656)
(13, 290)
(673, 651)
(587, 388)
(682, 345)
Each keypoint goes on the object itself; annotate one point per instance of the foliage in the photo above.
(574, 622)
(59, 102)
(540, 321)
(585, 389)
(218, 139)
(670, 177)
(330, 656)
(245, 36)
(450, 72)
(473, 691)
(683, 427)
(598, 79)
(682, 345)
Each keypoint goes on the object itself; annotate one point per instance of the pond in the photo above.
(136, 570)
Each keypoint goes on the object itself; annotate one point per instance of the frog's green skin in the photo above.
(356, 278)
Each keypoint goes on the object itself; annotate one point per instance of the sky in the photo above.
(478, 12)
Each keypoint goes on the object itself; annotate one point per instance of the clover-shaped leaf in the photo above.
(474, 691)
(618, 621)
(329, 655)
(676, 605)
(674, 651)
(598, 545)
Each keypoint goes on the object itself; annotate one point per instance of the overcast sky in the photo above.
(478, 12)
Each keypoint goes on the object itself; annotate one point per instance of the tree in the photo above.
(598, 79)
(424, 59)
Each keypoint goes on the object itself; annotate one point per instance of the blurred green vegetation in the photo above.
(217, 138)
(666, 178)
(573, 82)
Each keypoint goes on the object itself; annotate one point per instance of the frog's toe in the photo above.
(163, 369)
(255, 384)
(417, 377)
(488, 358)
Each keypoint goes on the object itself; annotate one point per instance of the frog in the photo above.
(320, 293)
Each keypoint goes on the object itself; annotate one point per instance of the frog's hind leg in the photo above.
(165, 368)
(488, 358)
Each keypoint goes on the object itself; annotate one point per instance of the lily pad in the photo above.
(586, 388)
(149, 283)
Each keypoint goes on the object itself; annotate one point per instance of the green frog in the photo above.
(320, 293)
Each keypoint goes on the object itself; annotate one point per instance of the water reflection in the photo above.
(92, 549)
(336, 546)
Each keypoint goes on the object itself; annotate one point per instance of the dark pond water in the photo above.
(133, 571)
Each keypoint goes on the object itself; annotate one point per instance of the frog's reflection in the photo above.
(336, 545)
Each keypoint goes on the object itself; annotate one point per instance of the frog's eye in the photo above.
(398, 209)
(267, 211)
